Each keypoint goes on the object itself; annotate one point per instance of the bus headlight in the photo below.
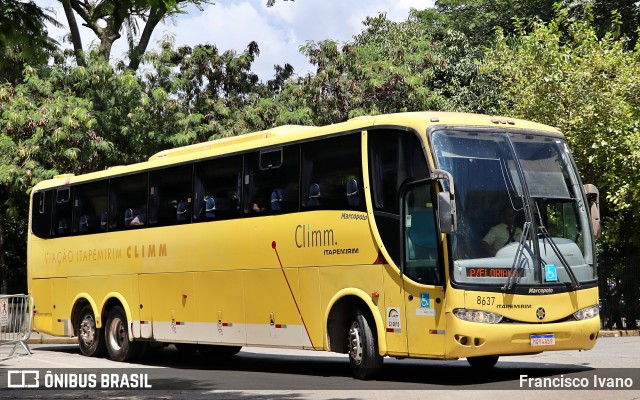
(586, 313)
(477, 316)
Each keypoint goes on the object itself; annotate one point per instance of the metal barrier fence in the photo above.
(16, 315)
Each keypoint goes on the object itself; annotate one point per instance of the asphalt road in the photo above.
(258, 373)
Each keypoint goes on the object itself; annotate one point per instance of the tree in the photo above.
(218, 94)
(389, 67)
(41, 132)
(49, 124)
(561, 73)
(23, 38)
(477, 19)
(617, 17)
(109, 18)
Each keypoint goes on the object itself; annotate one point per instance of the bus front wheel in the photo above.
(482, 362)
(90, 338)
(119, 345)
(363, 348)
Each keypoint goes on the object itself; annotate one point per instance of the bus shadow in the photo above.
(407, 373)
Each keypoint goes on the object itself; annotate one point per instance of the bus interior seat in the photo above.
(88, 223)
(315, 195)
(182, 211)
(219, 208)
(83, 225)
(353, 196)
(323, 195)
(104, 221)
(63, 226)
(210, 208)
(277, 198)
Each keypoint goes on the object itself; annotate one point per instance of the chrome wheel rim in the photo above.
(355, 343)
(117, 334)
(87, 330)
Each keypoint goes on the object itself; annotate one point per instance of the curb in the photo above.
(36, 338)
(618, 333)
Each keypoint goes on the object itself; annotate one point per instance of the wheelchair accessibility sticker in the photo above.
(425, 301)
(425, 309)
(550, 273)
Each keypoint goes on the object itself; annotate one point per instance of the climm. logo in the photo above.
(307, 237)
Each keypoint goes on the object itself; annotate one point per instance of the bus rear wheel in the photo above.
(90, 338)
(482, 362)
(364, 358)
(119, 345)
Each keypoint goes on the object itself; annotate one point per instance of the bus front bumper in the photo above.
(470, 339)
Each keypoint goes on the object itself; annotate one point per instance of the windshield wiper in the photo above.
(519, 261)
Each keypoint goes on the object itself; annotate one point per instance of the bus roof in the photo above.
(414, 119)
(419, 121)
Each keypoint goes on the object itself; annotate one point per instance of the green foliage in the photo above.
(390, 67)
(211, 94)
(23, 37)
(108, 19)
(572, 65)
(477, 19)
(564, 74)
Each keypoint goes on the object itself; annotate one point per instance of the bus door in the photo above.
(423, 274)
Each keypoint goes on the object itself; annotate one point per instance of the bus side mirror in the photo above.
(446, 213)
(593, 197)
(447, 218)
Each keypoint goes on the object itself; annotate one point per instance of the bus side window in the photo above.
(395, 157)
(63, 211)
(128, 196)
(170, 196)
(421, 237)
(42, 213)
(331, 172)
(271, 181)
(217, 189)
(90, 201)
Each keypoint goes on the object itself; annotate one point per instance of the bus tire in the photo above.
(119, 345)
(362, 344)
(214, 351)
(483, 362)
(90, 338)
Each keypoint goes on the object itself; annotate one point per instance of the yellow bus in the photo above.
(374, 237)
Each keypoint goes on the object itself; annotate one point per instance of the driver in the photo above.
(502, 234)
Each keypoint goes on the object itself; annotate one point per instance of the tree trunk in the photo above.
(75, 32)
(630, 276)
(155, 16)
(3, 267)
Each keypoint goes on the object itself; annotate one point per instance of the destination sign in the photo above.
(487, 272)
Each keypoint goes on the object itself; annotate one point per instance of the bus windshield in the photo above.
(522, 217)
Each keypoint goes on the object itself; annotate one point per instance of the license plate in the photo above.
(543, 340)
